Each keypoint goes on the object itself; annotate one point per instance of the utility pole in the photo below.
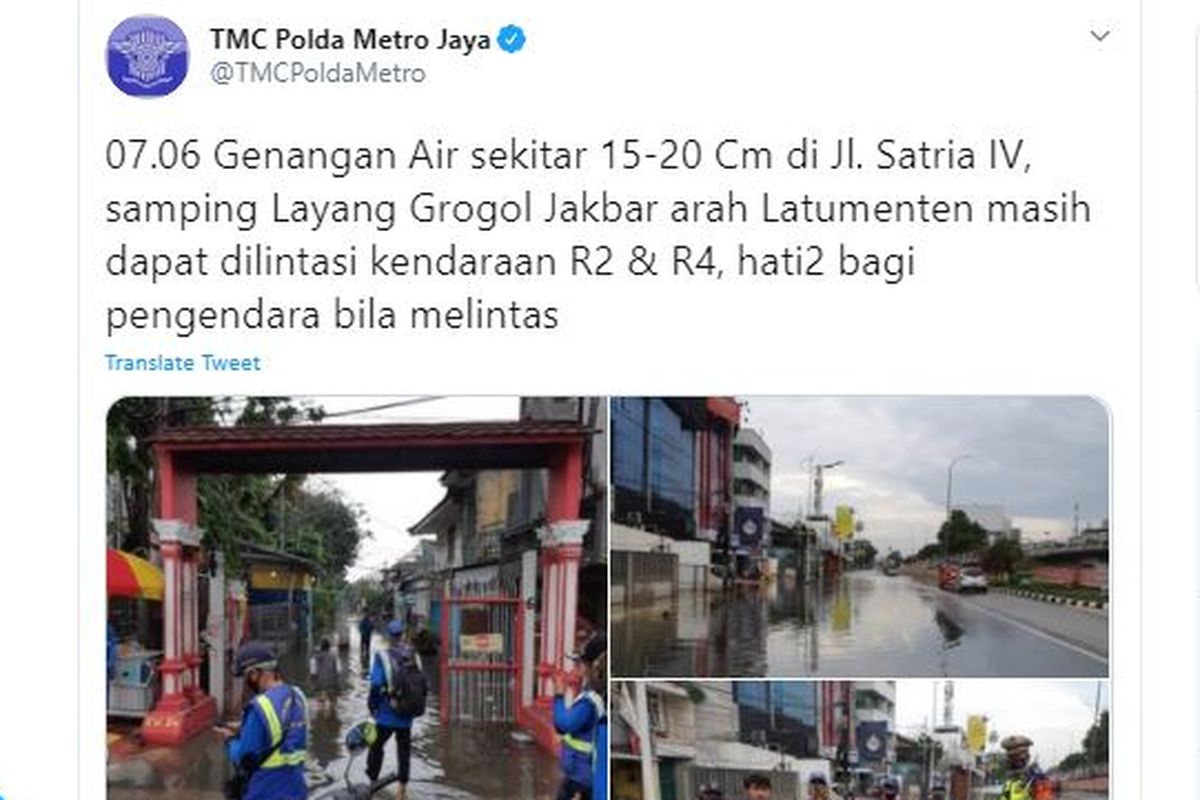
(950, 498)
(819, 487)
(811, 461)
(646, 736)
(932, 725)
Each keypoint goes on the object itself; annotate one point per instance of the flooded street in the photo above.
(863, 624)
(462, 761)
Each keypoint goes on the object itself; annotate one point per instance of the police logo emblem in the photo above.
(147, 56)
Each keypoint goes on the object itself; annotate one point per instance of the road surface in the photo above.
(864, 625)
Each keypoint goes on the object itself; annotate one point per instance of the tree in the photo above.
(369, 595)
(1003, 557)
(1095, 742)
(327, 528)
(929, 552)
(277, 511)
(132, 421)
(961, 534)
(1095, 748)
(864, 553)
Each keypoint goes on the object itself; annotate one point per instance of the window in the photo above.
(672, 456)
(797, 702)
(656, 709)
(752, 694)
(628, 433)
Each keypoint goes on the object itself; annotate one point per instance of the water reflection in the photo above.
(863, 623)
(459, 761)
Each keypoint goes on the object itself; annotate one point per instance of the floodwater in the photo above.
(462, 761)
(862, 624)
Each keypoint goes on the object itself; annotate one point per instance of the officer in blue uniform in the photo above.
(365, 627)
(268, 748)
(389, 723)
(580, 721)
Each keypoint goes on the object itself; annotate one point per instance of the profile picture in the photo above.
(147, 56)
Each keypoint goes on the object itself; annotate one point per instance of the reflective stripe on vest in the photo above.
(278, 758)
(574, 742)
(577, 744)
(386, 658)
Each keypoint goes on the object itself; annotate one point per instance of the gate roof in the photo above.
(412, 447)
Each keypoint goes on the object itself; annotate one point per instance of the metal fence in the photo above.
(639, 577)
(275, 622)
(481, 645)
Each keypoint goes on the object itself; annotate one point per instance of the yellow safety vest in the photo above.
(278, 758)
(1016, 789)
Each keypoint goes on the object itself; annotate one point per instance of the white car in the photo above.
(971, 579)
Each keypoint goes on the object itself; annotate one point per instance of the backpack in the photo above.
(407, 688)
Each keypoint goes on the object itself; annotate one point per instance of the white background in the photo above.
(1064, 319)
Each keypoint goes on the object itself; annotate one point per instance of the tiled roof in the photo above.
(320, 433)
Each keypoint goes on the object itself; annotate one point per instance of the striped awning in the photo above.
(130, 576)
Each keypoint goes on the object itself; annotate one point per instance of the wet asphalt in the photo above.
(863, 624)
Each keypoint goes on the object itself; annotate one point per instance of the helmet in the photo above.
(817, 778)
(592, 651)
(1011, 743)
(254, 655)
(595, 648)
(395, 629)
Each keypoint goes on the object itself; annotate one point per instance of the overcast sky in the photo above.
(1036, 457)
(1054, 714)
(394, 502)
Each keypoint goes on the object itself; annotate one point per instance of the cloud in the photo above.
(395, 501)
(1054, 714)
(1036, 457)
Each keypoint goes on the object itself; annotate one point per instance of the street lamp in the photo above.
(808, 464)
(820, 485)
(949, 498)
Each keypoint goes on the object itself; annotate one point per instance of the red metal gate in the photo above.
(481, 657)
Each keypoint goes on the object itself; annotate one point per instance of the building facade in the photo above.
(751, 491)
(717, 732)
(672, 466)
(875, 723)
(779, 716)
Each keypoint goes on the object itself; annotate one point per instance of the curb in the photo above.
(1051, 598)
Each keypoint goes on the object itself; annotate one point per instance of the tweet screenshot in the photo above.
(653, 401)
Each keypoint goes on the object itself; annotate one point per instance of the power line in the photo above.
(385, 406)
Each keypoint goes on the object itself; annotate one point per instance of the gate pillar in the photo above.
(562, 550)
(184, 709)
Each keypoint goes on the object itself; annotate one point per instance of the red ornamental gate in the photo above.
(481, 657)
